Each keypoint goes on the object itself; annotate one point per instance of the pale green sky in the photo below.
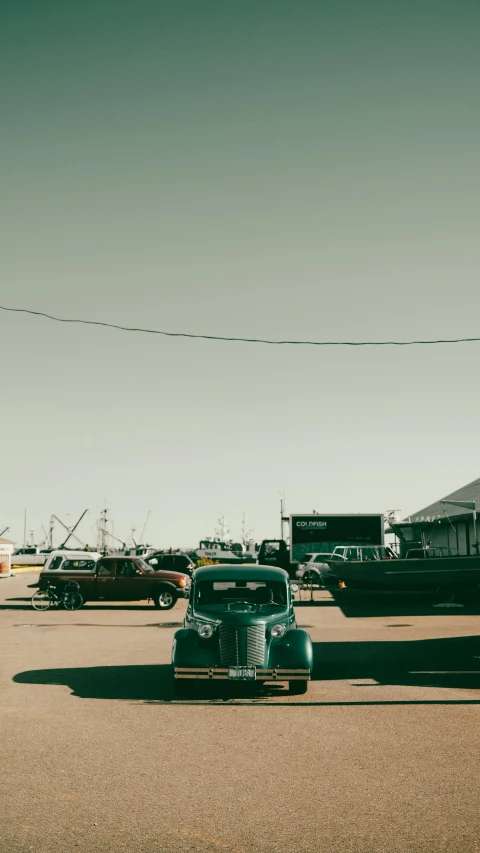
(273, 169)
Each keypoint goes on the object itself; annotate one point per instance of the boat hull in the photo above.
(404, 574)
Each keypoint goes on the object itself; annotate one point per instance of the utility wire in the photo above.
(242, 340)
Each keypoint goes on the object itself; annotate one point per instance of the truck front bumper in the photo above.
(181, 592)
(214, 673)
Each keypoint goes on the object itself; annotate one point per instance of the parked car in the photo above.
(240, 626)
(170, 562)
(315, 569)
(30, 556)
(119, 579)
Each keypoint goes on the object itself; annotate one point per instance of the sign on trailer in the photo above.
(321, 533)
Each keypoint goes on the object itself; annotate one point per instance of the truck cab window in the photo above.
(106, 568)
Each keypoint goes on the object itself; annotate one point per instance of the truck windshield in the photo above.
(215, 593)
(143, 565)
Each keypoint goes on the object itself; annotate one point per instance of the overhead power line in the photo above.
(238, 339)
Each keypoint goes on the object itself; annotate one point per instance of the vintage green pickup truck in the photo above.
(240, 626)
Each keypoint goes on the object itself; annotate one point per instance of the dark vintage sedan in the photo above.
(240, 626)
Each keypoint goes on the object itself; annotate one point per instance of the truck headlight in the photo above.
(205, 632)
(278, 631)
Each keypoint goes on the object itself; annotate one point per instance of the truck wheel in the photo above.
(296, 688)
(164, 599)
(183, 687)
(310, 578)
(445, 594)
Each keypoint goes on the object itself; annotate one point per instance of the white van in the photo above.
(68, 561)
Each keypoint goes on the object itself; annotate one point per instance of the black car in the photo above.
(159, 561)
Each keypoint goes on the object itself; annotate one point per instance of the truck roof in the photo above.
(229, 571)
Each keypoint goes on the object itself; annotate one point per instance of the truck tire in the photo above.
(164, 599)
(183, 688)
(446, 594)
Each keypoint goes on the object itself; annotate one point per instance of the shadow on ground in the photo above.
(26, 604)
(446, 663)
(352, 603)
(362, 603)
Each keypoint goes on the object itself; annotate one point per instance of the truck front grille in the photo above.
(229, 645)
(241, 646)
(256, 645)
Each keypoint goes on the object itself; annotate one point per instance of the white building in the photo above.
(449, 523)
(7, 548)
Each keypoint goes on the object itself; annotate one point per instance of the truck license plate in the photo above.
(242, 673)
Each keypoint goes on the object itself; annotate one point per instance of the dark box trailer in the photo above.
(321, 533)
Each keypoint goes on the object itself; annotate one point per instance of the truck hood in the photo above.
(168, 576)
(239, 618)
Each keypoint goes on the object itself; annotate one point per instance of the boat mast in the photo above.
(50, 532)
(144, 527)
(222, 531)
(103, 531)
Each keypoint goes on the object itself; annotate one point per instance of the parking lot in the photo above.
(98, 754)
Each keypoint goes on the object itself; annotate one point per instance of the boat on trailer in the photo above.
(422, 569)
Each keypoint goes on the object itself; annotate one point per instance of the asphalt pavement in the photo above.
(381, 754)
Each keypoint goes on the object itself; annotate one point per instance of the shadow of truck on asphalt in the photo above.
(452, 662)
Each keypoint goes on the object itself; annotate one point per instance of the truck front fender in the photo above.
(189, 650)
(160, 585)
(292, 651)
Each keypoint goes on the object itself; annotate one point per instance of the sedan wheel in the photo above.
(311, 577)
(164, 600)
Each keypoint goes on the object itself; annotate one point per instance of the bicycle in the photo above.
(51, 596)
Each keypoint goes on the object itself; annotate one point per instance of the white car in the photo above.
(318, 568)
(314, 568)
(28, 557)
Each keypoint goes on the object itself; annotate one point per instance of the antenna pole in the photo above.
(145, 527)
